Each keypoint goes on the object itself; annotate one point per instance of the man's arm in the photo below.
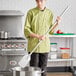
(56, 24)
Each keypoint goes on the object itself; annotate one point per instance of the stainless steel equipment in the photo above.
(27, 71)
(3, 34)
(11, 21)
(12, 49)
(12, 45)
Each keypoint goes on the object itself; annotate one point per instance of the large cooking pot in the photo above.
(27, 71)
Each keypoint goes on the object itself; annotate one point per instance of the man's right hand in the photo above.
(42, 37)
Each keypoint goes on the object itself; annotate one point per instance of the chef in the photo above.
(38, 21)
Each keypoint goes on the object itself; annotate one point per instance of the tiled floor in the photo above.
(59, 74)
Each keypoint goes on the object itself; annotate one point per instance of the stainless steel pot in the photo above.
(3, 34)
(27, 71)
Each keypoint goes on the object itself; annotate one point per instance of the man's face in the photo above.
(41, 3)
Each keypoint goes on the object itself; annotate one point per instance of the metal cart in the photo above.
(68, 43)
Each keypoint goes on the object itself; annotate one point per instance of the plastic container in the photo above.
(65, 53)
(53, 51)
(53, 46)
(53, 56)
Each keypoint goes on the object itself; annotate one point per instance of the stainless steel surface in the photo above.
(11, 51)
(11, 21)
(3, 34)
(11, 13)
(27, 71)
(3, 62)
(12, 25)
(9, 61)
(11, 44)
(14, 52)
(6, 73)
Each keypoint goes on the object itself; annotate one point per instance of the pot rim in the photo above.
(26, 69)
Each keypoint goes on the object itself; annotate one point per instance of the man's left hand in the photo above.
(58, 20)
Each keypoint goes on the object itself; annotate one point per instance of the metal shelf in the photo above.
(62, 35)
(11, 13)
(70, 59)
(69, 42)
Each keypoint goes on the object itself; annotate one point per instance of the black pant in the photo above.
(39, 60)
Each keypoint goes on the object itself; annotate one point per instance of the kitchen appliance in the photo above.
(12, 49)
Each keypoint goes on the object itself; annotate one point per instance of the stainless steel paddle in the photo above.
(26, 58)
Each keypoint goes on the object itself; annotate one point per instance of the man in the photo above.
(38, 21)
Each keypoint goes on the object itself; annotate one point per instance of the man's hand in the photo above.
(42, 37)
(56, 23)
(58, 20)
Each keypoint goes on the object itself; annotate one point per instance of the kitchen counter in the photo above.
(63, 35)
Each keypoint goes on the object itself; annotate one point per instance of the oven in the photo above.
(12, 49)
